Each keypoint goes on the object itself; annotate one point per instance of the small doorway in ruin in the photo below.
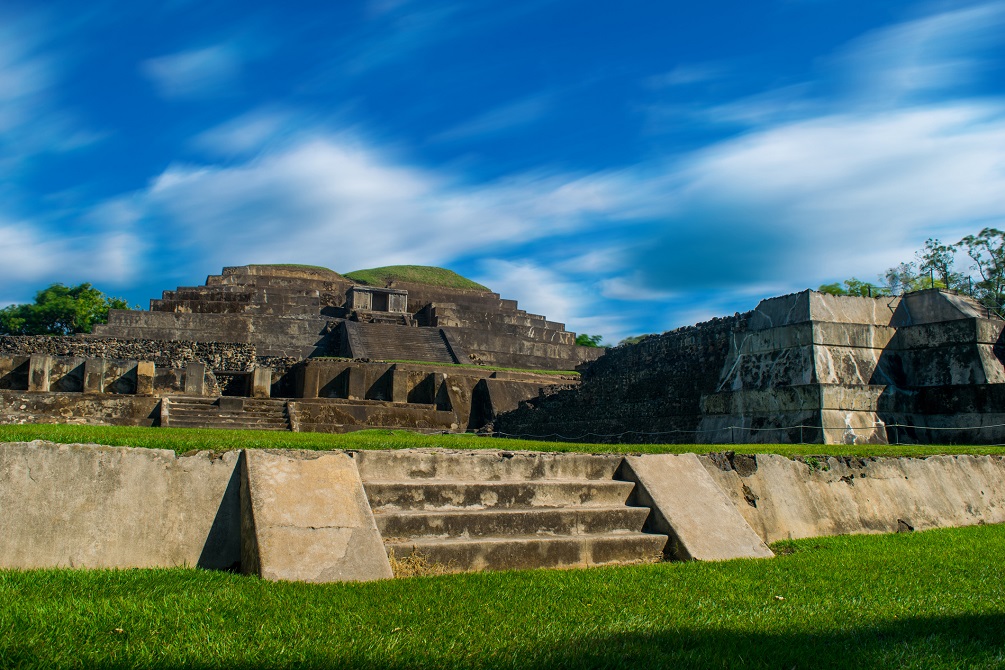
(233, 383)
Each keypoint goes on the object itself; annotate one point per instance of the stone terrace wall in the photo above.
(645, 392)
(216, 355)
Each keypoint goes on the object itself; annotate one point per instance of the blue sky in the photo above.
(622, 167)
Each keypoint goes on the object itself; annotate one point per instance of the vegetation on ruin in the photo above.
(936, 266)
(585, 340)
(59, 310)
(183, 440)
(931, 599)
(294, 266)
(413, 274)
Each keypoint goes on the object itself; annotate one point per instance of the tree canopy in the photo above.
(585, 340)
(936, 265)
(59, 310)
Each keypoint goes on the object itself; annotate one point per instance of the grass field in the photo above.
(915, 600)
(182, 440)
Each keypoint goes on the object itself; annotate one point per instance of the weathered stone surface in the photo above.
(305, 517)
(18, 407)
(647, 392)
(813, 496)
(89, 506)
(168, 354)
(688, 506)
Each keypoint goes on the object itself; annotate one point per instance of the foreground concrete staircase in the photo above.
(503, 510)
(224, 412)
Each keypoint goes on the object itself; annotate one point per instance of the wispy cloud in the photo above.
(501, 119)
(32, 120)
(196, 73)
(687, 74)
(941, 51)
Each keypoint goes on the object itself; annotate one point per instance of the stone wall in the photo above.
(647, 392)
(790, 499)
(163, 353)
(85, 506)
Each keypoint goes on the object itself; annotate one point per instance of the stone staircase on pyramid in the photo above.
(224, 412)
(386, 342)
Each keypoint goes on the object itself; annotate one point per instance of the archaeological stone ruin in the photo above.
(926, 367)
(294, 348)
(307, 349)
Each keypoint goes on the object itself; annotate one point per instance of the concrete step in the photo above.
(488, 465)
(445, 494)
(533, 521)
(522, 552)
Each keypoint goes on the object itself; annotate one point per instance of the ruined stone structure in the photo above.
(293, 348)
(290, 348)
(340, 516)
(807, 367)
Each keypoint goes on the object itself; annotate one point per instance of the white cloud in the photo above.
(196, 73)
(505, 118)
(31, 119)
(938, 51)
(250, 133)
(555, 295)
(686, 74)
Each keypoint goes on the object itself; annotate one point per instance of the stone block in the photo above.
(145, 373)
(89, 506)
(689, 506)
(230, 404)
(305, 517)
(94, 375)
(261, 383)
(195, 378)
(39, 368)
(399, 386)
(357, 385)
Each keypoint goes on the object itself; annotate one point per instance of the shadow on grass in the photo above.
(951, 642)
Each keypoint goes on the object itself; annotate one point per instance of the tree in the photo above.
(585, 340)
(987, 250)
(905, 278)
(853, 287)
(59, 310)
(938, 260)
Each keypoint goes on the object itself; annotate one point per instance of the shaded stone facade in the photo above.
(807, 367)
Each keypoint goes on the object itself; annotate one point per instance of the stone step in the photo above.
(177, 418)
(439, 494)
(227, 426)
(527, 552)
(488, 465)
(520, 521)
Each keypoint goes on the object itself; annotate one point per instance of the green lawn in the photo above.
(414, 274)
(183, 440)
(916, 600)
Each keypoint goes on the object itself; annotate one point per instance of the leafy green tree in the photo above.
(59, 310)
(938, 259)
(585, 340)
(987, 250)
(904, 278)
(853, 286)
